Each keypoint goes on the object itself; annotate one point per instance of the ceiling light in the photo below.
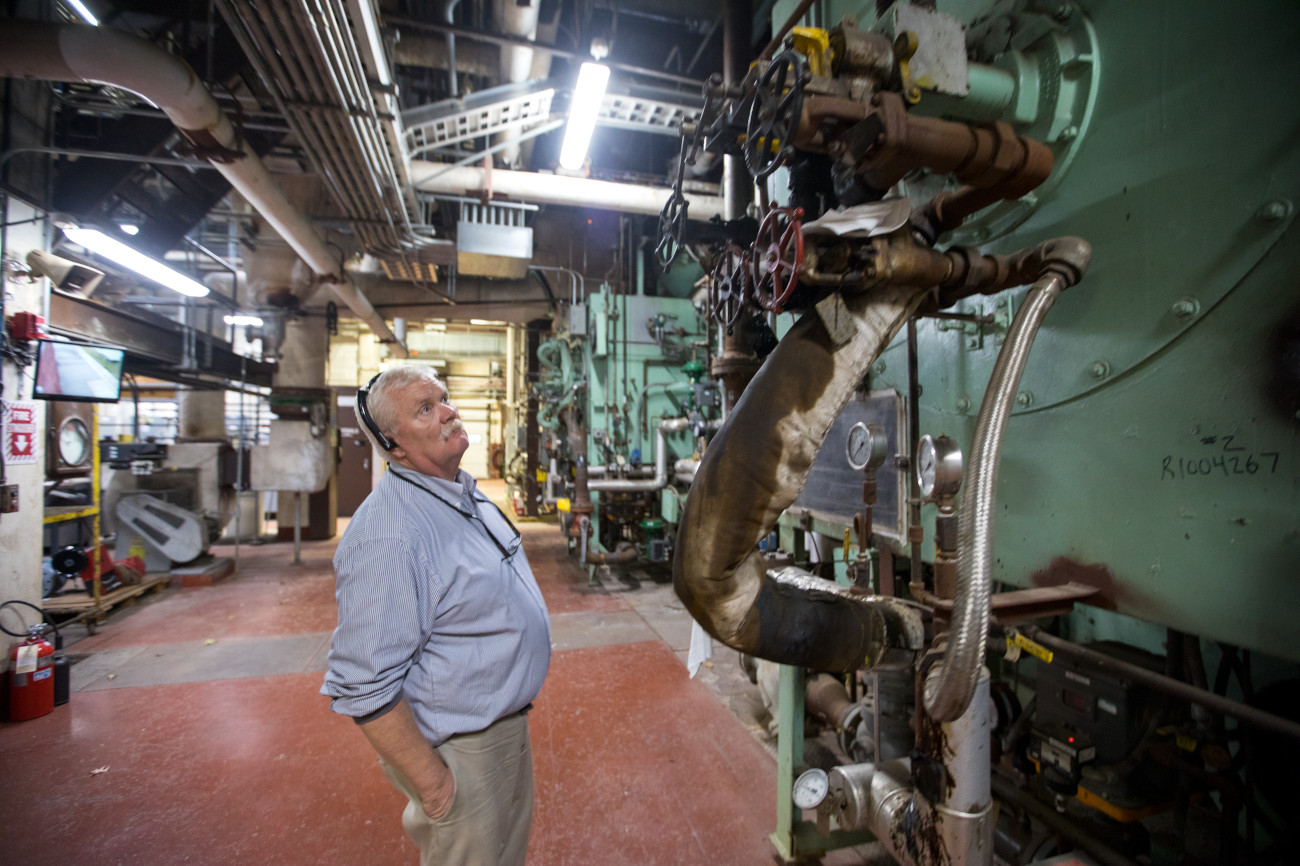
(129, 229)
(583, 108)
(86, 14)
(244, 319)
(114, 250)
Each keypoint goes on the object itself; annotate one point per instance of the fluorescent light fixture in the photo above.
(129, 229)
(86, 14)
(243, 319)
(583, 108)
(114, 250)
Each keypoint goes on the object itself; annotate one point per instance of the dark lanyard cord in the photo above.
(505, 554)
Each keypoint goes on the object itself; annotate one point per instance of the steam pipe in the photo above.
(754, 470)
(1065, 262)
(72, 52)
(557, 189)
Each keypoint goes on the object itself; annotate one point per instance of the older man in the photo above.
(443, 638)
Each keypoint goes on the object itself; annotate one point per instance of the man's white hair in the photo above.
(379, 400)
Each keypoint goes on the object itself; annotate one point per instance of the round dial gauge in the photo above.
(73, 442)
(866, 446)
(938, 467)
(810, 788)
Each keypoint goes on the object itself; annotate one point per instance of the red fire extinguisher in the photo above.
(31, 667)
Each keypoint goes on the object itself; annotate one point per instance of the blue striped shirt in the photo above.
(431, 611)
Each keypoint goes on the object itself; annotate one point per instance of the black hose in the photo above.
(44, 618)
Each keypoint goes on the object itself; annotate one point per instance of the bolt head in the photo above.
(1185, 308)
(963, 404)
(1274, 211)
(1024, 398)
(1100, 370)
(1070, 133)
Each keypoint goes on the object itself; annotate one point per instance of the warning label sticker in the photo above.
(20, 419)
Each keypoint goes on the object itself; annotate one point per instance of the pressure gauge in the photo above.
(810, 788)
(866, 446)
(73, 442)
(938, 467)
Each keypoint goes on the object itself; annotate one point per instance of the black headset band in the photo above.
(363, 412)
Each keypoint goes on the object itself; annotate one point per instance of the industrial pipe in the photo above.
(72, 52)
(642, 485)
(752, 472)
(1256, 718)
(1065, 262)
(556, 189)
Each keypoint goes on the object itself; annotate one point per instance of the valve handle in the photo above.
(774, 115)
(730, 286)
(777, 255)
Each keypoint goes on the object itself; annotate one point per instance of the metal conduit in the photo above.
(73, 52)
(947, 697)
(315, 68)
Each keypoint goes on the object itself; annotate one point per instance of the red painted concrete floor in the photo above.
(217, 749)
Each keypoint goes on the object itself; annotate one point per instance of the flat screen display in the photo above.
(78, 372)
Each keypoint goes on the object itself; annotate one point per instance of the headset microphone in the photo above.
(363, 411)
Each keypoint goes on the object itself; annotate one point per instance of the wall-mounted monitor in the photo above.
(78, 372)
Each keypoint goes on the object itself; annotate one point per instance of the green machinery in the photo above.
(1151, 458)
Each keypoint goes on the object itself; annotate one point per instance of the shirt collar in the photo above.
(461, 491)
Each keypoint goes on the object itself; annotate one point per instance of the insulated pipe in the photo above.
(73, 52)
(556, 189)
(753, 471)
(1065, 262)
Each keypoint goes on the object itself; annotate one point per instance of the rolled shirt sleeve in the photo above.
(382, 591)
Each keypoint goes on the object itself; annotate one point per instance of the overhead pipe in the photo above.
(450, 14)
(1064, 263)
(556, 189)
(73, 52)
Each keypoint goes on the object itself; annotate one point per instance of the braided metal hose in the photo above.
(948, 695)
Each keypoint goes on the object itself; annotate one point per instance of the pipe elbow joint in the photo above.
(1067, 256)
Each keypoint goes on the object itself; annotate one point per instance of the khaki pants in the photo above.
(492, 808)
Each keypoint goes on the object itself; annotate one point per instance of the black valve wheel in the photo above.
(672, 228)
(730, 286)
(774, 115)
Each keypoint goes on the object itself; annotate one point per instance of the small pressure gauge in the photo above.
(810, 788)
(938, 467)
(866, 446)
(73, 442)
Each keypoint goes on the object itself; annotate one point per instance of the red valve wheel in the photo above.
(777, 256)
(729, 286)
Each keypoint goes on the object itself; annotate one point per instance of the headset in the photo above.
(363, 411)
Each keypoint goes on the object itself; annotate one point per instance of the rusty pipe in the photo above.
(826, 698)
(753, 471)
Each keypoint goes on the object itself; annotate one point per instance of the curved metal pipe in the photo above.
(660, 480)
(753, 470)
(947, 696)
(71, 52)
